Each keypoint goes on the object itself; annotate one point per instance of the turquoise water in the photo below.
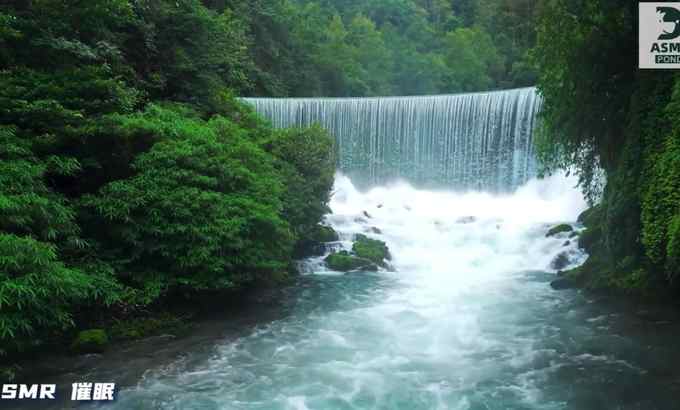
(466, 321)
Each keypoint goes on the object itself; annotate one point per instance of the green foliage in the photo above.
(472, 59)
(372, 249)
(37, 291)
(128, 170)
(202, 209)
(90, 341)
(382, 47)
(585, 100)
(324, 234)
(306, 160)
(599, 111)
(135, 328)
(661, 196)
(344, 262)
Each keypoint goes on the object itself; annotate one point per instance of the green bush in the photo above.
(372, 249)
(344, 262)
(202, 210)
(306, 159)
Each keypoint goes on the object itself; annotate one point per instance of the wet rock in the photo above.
(466, 220)
(372, 249)
(567, 243)
(367, 215)
(306, 248)
(90, 341)
(562, 283)
(379, 206)
(314, 243)
(324, 233)
(561, 261)
(375, 230)
(559, 229)
(343, 261)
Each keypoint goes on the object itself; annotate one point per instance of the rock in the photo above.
(313, 243)
(408, 208)
(372, 249)
(367, 215)
(573, 234)
(380, 206)
(562, 283)
(306, 248)
(375, 230)
(466, 220)
(559, 229)
(360, 220)
(561, 261)
(567, 243)
(344, 262)
(589, 238)
(590, 216)
(324, 233)
(90, 341)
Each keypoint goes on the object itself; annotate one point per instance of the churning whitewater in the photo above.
(465, 320)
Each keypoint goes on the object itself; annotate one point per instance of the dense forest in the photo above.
(131, 175)
(617, 126)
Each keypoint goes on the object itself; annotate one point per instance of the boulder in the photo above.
(372, 249)
(90, 341)
(313, 243)
(324, 233)
(561, 261)
(343, 261)
(559, 229)
(375, 230)
(562, 283)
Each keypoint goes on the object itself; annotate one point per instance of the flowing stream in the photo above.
(466, 318)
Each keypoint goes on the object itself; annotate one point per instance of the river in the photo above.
(466, 320)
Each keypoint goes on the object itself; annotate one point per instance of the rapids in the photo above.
(466, 320)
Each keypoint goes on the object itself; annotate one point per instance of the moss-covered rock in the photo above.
(343, 261)
(559, 229)
(312, 244)
(372, 249)
(323, 233)
(560, 261)
(136, 328)
(590, 238)
(90, 341)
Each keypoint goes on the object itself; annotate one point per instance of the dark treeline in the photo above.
(383, 47)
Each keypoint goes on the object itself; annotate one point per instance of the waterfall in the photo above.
(479, 141)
